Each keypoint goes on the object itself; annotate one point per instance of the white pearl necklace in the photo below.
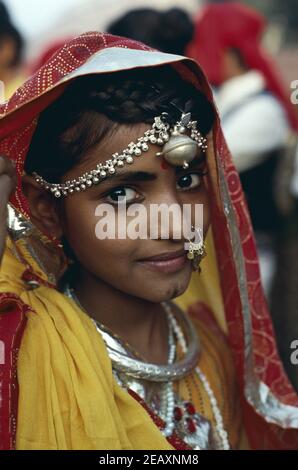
(215, 408)
(168, 394)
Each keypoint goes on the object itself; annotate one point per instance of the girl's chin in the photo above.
(162, 290)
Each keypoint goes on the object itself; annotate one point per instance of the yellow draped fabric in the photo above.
(68, 398)
(206, 286)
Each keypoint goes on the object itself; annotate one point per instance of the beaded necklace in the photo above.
(178, 415)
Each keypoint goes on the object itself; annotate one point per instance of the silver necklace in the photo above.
(223, 435)
(153, 372)
(168, 395)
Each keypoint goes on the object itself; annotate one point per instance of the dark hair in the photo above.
(137, 24)
(8, 30)
(169, 31)
(92, 106)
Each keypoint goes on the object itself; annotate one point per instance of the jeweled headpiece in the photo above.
(178, 149)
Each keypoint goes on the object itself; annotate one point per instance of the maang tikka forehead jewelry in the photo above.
(178, 149)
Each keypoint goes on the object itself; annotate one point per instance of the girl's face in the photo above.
(123, 263)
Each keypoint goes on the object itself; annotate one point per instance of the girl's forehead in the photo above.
(178, 144)
(114, 142)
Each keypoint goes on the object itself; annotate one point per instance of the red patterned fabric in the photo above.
(19, 118)
(12, 326)
(174, 439)
(265, 352)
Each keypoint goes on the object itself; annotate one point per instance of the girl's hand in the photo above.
(8, 182)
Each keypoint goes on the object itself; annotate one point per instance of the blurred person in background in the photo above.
(11, 49)
(259, 123)
(169, 31)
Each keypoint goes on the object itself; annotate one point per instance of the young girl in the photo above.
(122, 343)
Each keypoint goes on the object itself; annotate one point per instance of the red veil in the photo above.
(270, 405)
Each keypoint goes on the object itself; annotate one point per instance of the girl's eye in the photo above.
(189, 181)
(122, 195)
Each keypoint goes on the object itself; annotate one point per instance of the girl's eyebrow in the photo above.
(136, 176)
(141, 176)
(133, 176)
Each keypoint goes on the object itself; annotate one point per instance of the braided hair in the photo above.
(93, 106)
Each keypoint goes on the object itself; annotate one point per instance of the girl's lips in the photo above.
(167, 265)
